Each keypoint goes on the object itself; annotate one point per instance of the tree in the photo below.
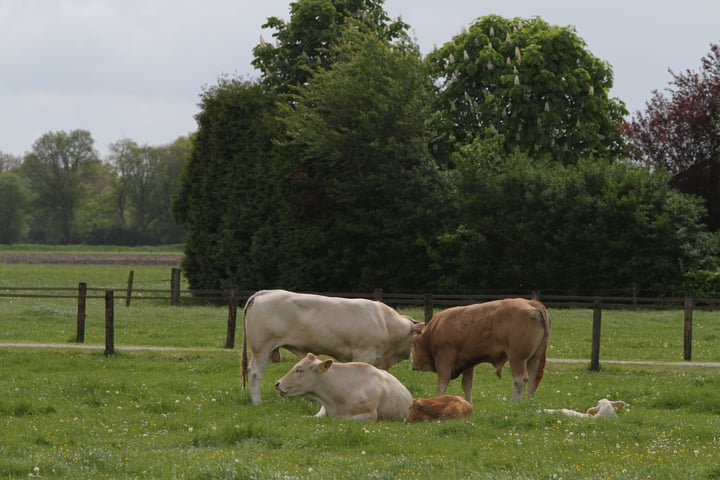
(680, 133)
(58, 169)
(362, 186)
(146, 178)
(14, 200)
(594, 227)
(173, 158)
(304, 44)
(225, 197)
(8, 162)
(233, 200)
(95, 217)
(534, 84)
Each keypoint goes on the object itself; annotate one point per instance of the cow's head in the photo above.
(416, 414)
(606, 408)
(421, 357)
(302, 377)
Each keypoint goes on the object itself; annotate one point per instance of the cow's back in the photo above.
(483, 320)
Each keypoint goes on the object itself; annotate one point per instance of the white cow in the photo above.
(354, 390)
(346, 329)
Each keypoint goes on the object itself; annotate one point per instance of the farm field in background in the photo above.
(89, 249)
(68, 413)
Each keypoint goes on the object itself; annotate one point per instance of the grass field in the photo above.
(77, 414)
(181, 413)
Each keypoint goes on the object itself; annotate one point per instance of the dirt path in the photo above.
(93, 258)
(85, 346)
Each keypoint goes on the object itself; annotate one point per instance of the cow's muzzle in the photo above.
(278, 387)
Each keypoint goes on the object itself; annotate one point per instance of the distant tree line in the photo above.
(61, 192)
(496, 163)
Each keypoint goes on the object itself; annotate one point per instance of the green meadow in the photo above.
(181, 413)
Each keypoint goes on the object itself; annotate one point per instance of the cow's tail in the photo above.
(244, 361)
(545, 322)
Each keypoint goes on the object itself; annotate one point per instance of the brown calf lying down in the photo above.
(438, 408)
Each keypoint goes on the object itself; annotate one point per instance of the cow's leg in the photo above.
(467, 383)
(519, 369)
(532, 366)
(444, 361)
(257, 366)
(322, 412)
(442, 384)
(364, 416)
(443, 378)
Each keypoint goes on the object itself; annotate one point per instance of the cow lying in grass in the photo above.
(438, 408)
(353, 390)
(604, 408)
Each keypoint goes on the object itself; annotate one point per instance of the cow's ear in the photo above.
(325, 366)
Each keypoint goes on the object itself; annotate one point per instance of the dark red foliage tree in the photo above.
(681, 133)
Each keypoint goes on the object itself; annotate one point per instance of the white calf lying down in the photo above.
(604, 408)
(353, 390)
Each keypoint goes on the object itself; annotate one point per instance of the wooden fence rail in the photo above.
(236, 297)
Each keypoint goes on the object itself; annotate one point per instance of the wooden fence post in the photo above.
(174, 286)
(232, 318)
(687, 328)
(377, 295)
(428, 307)
(82, 302)
(109, 323)
(131, 277)
(596, 328)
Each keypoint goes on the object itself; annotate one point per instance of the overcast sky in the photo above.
(135, 68)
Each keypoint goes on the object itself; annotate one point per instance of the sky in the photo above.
(136, 68)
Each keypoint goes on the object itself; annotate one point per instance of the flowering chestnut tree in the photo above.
(533, 84)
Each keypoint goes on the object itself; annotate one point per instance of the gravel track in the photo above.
(83, 346)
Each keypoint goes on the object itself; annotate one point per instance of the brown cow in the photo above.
(455, 340)
(438, 408)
